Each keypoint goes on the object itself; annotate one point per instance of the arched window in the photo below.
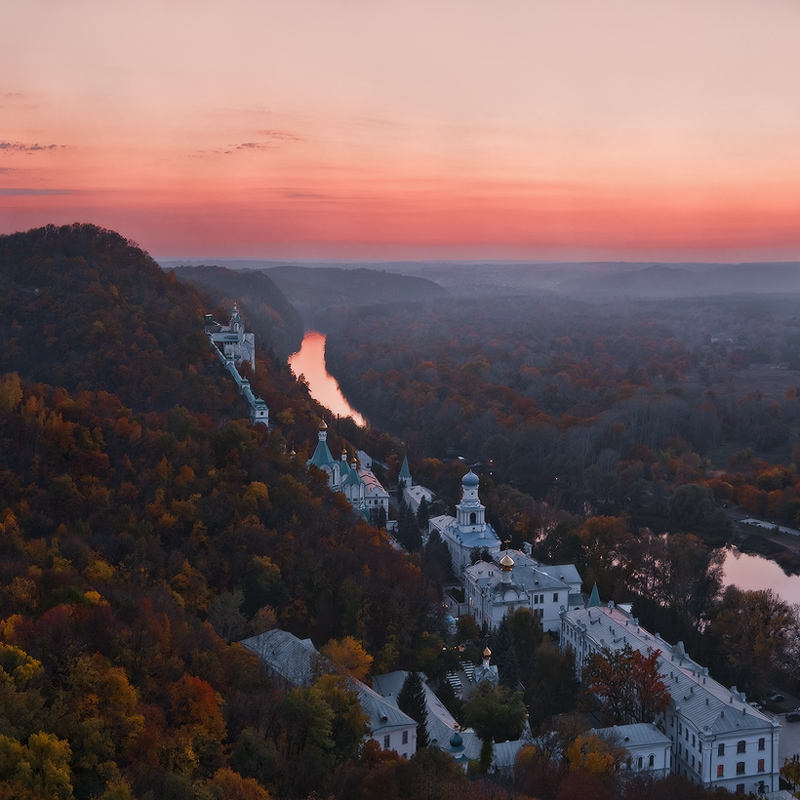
(652, 760)
(639, 763)
(472, 518)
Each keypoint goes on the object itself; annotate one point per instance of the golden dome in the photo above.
(487, 653)
(506, 563)
(323, 426)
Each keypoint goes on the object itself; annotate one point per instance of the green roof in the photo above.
(322, 456)
(353, 479)
(405, 472)
(594, 598)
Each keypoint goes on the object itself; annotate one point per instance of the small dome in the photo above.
(487, 653)
(456, 741)
(323, 426)
(506, 562)
(470, 479)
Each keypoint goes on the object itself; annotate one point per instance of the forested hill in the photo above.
(81, 307)
(269, 314)
(314, 289)
(144, 525)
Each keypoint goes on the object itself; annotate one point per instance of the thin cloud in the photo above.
(270, 140)
(282, 136)
(33, 192)
(21, 147)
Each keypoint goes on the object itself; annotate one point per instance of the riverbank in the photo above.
(762, 538)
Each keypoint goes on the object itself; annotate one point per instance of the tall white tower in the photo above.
(470, 514)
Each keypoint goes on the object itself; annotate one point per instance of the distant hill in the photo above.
(665, 282)
(266, 311)
(313, 289)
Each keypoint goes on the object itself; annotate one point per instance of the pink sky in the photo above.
(621, 129)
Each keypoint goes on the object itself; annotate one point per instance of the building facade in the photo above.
(468, 530)
(718, 738)
(493, 590)
(359, 485)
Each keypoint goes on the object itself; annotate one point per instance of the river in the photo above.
(309, 361)
(754, 572)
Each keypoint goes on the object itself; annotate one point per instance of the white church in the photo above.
(468, 529)
(358, 484)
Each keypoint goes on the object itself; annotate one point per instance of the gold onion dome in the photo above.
(506, 563)
(487, 653)
(323, 426)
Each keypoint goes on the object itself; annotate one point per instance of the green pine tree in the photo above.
(411, 701)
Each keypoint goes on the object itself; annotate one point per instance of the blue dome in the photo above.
(456, 741)
(470, 479)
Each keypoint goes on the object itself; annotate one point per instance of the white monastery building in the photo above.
(718, 738)
(234, 346)
(648, 748)
(296, 662)
(468, 529)
(519, 581)
(358, 484)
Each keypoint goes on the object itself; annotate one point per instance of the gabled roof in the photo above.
(709, 705)
(384, 715)
(372, 486)
(295, 660)
(352, 479)
(639, 734)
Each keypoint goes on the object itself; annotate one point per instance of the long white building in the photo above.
(718, 738)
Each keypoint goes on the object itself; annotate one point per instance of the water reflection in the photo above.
(753, 573)
(309, 361)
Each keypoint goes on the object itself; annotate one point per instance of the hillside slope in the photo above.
(144, 525)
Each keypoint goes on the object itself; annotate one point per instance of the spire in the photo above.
(405, 473)
(594, 598)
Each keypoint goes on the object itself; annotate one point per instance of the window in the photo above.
(761, 744)
(741, 747)
(721, 750)
(405, 737)
(555, 597)
(720, 770)
(740, 767)
(680, 728)
(699, 766)
(639, 763)
(739, 788)
(700, 745)
(652, 760)
(692, 762)
(472, 518)
(760, 764)
(386, 741)
(692, 740)
(687, 734)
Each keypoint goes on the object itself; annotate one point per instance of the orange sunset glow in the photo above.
(370, 130)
